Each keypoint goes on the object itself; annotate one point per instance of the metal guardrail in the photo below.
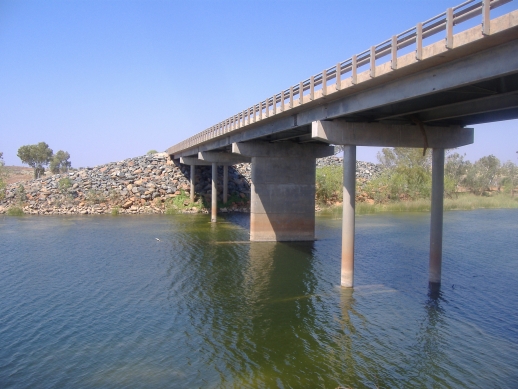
(294, 96)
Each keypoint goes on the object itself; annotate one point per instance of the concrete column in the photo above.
(214, 202)
(349, 194)
(282, 203)
(436, 216)
(225, 183)
(193, 172)
(282, 199)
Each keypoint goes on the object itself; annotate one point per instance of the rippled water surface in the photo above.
(99, 302)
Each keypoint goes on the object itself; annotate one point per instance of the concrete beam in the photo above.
(193, 161)
(340, 132)
(488, 104)
(282, 149)
(222, 158)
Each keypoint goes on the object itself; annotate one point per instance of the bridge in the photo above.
(420, 88)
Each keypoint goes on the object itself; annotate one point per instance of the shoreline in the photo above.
(465, 202)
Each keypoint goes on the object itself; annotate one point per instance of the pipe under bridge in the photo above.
(422, 96)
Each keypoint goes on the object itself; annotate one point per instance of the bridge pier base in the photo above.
(436, 220)
(348, 218)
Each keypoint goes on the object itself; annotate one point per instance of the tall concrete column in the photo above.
(192, 182)
(214, 194)
(225, 183)
(436, 216)
(283, 189)
(348, 219)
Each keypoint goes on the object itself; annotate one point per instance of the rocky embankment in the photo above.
(364, 170)
(146, 184)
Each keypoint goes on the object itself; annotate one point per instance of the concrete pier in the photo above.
(225, 184)
(214, 193)
(436, 221)
(193, 172)
(348, 218)
(283, 189)
(391, 135)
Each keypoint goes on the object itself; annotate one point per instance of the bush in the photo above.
(64, 184)
(15, 211)
(115, 211)
(178, 203)
(329, 181)
(95, 197)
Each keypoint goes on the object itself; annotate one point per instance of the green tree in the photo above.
(455, 172)
(407, 175)
(36, 156)
(483, 174)
(151, 152)
(60, 162)
(510, 172)
(398, 157)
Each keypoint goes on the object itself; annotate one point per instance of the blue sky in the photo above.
(109, 80)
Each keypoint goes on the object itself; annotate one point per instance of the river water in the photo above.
(99, 302)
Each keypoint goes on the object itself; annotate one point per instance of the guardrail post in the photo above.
(338, 75)
(393, 64)
(419, 41)
(373, 61)
(301, 93)
(282, 100)
(486, 23)
(312, 87)
(291, 97)
(324, 82)
(354, 70)
(449, 28)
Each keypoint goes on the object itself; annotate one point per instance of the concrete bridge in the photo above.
(403, 92)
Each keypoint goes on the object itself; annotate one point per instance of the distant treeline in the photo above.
(407, 175)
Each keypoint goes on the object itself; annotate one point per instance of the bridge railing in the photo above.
(332, 77)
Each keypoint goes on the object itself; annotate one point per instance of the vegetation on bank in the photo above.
(182, 203)
(405, 183)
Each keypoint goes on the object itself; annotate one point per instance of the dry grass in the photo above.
(466, 201)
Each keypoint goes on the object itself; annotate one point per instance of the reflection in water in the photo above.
(430, 347)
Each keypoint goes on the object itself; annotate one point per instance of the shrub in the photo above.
(64, 184)
(329, 181)
(179, 203)
(115, 211)
(95, 197)
(15, 211)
